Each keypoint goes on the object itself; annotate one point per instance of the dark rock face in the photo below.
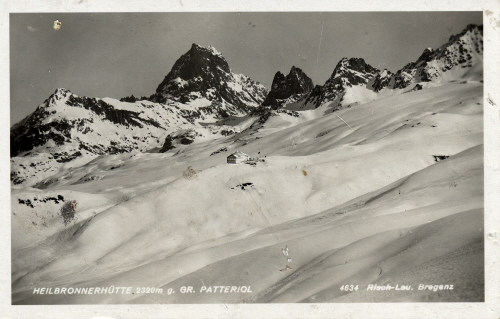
(132, 99)
(204, 72)
(345, 68)
(167, 145)
(473, 28)
(381, 80)
(426, 55)
(183, 137)
(108, 112)
(404, 76)
(283, 87)
(200, 63)
(417, 87)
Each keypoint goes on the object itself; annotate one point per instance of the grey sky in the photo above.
(118, 54)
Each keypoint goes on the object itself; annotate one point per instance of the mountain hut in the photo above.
(237, 157)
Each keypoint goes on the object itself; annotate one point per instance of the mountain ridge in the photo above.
(461, 51)
(200, 97)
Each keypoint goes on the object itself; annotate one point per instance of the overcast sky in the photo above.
(119, 54)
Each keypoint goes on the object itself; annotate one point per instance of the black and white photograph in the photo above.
(247, 157)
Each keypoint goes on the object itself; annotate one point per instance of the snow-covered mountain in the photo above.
(65, 119)
(348, 73)
(66, 127)
(451, 61)
(203, 74)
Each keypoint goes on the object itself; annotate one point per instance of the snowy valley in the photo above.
(373, 178)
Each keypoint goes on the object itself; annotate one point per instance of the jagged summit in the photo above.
(347, 65)
(62, 91)
(203, 73)
(352, 71)
(284, 87)
(198, 61)
(462, 50)
(470, 28)
(59, 94)
(348, 72)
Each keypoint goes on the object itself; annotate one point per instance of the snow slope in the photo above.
(362, 202)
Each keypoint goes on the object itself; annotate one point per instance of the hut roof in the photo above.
(238, 154)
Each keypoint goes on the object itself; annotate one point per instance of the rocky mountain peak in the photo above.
(62, 92)
(348, 72)
(470, 28)
(295, 71)
(58, 95)
(467, 41)
(297, 77)
(283, 87)
(204, 73)
(204, 84)
(346, 65)
(463, 50)
(278, 80)
(198, 61)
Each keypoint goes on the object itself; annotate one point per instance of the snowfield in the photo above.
(393, 197)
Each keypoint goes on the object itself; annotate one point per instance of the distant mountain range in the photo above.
(452, 61)
(201, 93)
